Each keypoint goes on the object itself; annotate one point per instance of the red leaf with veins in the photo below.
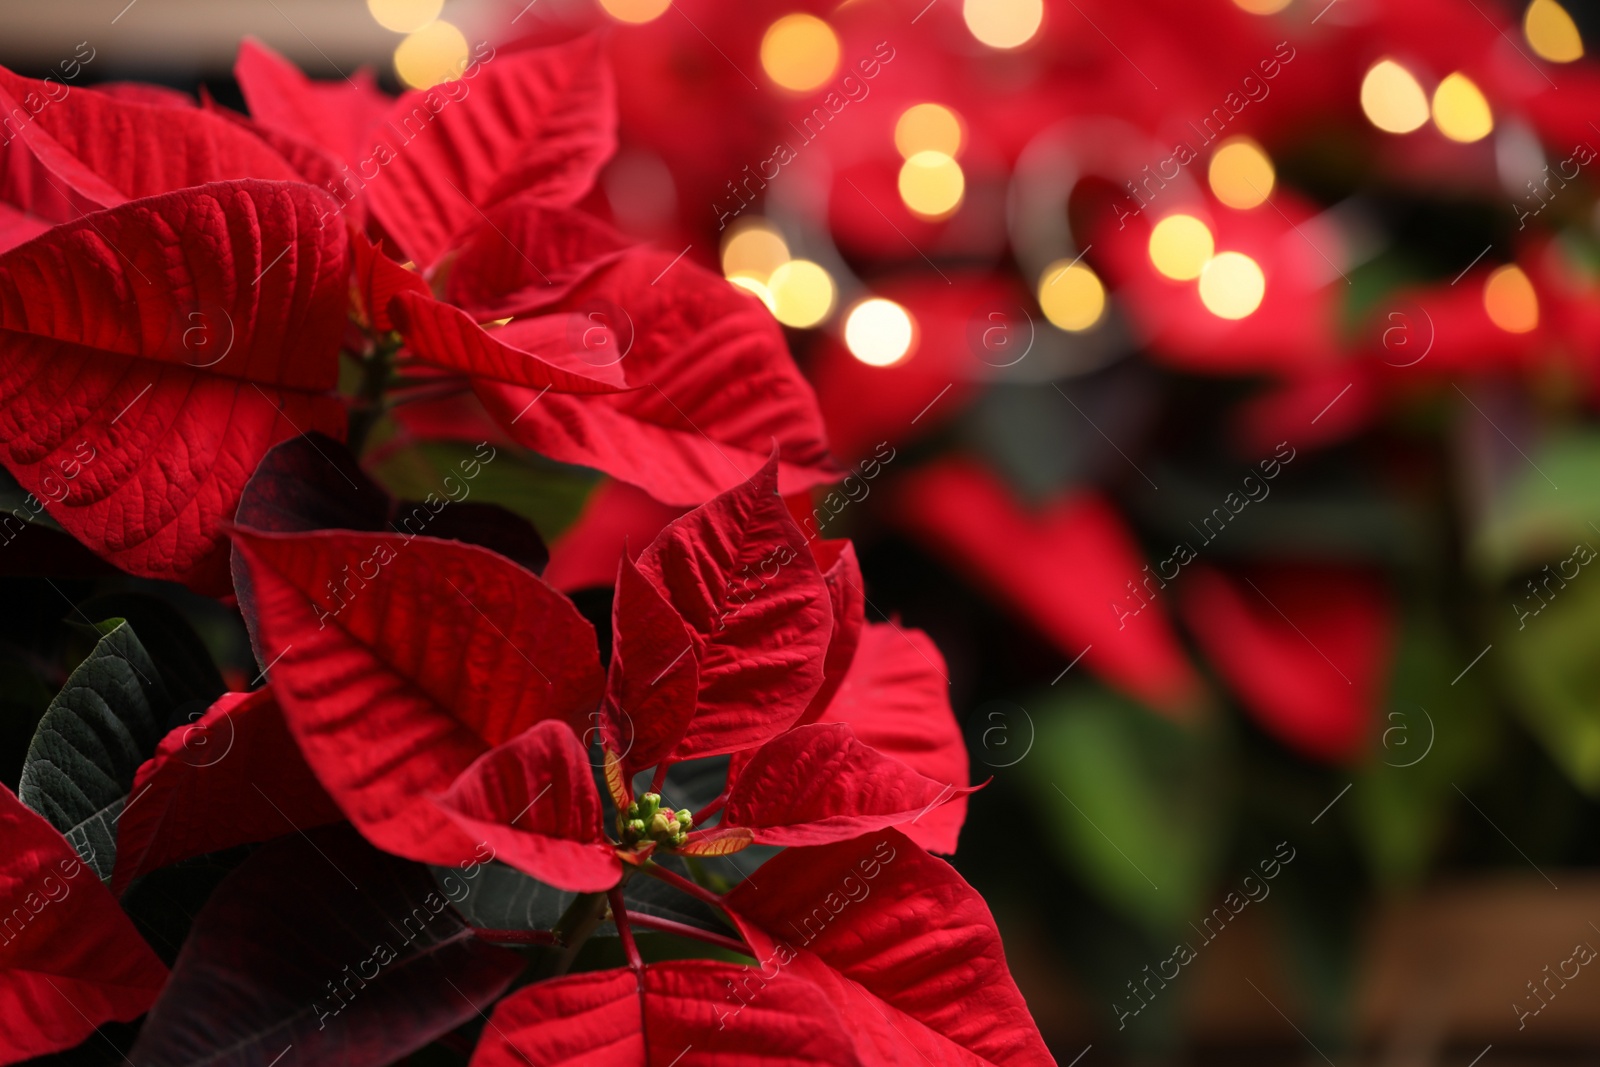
(399, 662)
(906, 952)
(232, 777)
(111, 150)
(336, 116)
(817, 784)
(70, 959)
(525, 255)
(379, 279)
(718, 389)
(738, 572)
(447, 337)
(533, 800)
(540, 122)
(847, 594)
(897, 700)
(152, 353)
(677, 1014)
(654, 675)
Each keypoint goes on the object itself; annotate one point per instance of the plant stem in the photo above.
(672, 926)
(376, 370)
(682, 884)
(619, 915)
(710, 809)
(581, 919)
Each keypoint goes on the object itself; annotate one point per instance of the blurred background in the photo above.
(1219, 379)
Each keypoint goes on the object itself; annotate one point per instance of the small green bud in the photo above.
(636, 827)
(648, 805)
(662, 825)
(685, 818)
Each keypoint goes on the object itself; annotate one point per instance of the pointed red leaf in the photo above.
(1066, 568)
(904, 949)
(847, 594)
(111, 150)
(677, 1014)
(1306, 649)
(718, 388)
(526, 255)
(232, 777)
(447, 337)
(818, 784)
(150, 354)
(336, 116)
(540, 121)
(379, 279)
(533, 800)
(69, 958)
(897, 700)
(738, 572)
(400, 660)
(654, 679)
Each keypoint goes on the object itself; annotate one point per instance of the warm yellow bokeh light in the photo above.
(928, 128)
(1460, 111)
(404, 16)
(800, 52)
(435, 53)
(756, 286)
(1232, 285)
(1071, 295)
(879, 332)
(931, 184)
(1003, 23)
(635, 11)
(754, 250)
(1180, 245)
(1551, 32)
(1262, 7)
(1392, 99)
(802, 293)
(1241, 173)
(1509, 299)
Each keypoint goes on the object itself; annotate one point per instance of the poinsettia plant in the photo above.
(448, 811)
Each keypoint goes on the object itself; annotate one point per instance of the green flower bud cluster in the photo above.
(647, 820)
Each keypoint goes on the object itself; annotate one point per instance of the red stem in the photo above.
(514, 937)
(659, 779)
(682, 884)
(670, 926)
(619, 914)
(711, 809)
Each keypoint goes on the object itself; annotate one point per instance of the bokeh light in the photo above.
(931, 184)
(756, 286)
(404, 16)
(753, 250)
(1071, 296)
(802, 293)
(1460, 110)
(1232, 285)
(635, 11)
(1509, 299)
(879, 332)
(1262, 7)
(1392, 98)
(1241, 173)
(800, 52)
(928, 128)
(1180, 245)
(1551, 32)
(435, 53)
(1003, 23)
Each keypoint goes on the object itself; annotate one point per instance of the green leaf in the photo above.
(103, 724)
(1530, 521)
(185, 664)
(1555, 676)
(1130, 801)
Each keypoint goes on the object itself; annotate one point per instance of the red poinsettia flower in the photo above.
(723, 632)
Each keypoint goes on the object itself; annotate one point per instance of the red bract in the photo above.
(233, 777)
(69, 958)
(722, 634)
(150, 355)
